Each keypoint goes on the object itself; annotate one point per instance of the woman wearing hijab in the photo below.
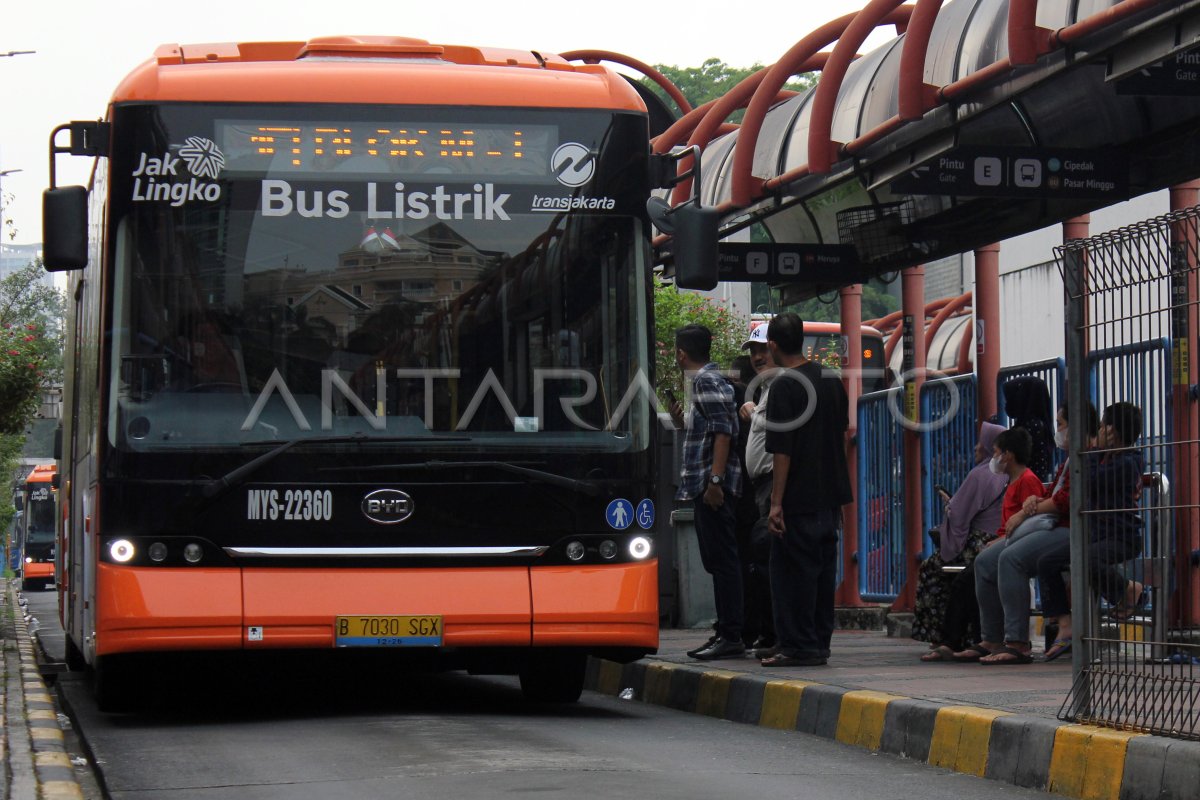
(946, 604)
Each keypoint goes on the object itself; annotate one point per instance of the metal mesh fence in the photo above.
(1132, 324)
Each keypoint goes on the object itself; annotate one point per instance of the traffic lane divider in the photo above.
(1033, 752)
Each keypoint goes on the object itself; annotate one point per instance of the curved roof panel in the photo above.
(1066, 100)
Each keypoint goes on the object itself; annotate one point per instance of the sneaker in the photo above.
(721, 648)
(705, 646)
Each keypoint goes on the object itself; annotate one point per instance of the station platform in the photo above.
(996, 722)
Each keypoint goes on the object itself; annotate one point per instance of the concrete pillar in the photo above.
(852, 331)
(986, 300)
(913, 306)
(1185, 406)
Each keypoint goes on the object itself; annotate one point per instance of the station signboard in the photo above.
(769, 262)
(999, 171)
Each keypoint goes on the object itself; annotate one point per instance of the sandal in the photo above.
(941, 653)
(971, 654)
(1060, 647)
(1018, 657)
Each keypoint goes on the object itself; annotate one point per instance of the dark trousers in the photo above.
(803, 582)
(1103, 556)
(961, 623)
(717, 537)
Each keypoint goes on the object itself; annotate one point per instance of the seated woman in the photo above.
(1114, 477)
(945, 601)
(1010, 454)
(1003, 571)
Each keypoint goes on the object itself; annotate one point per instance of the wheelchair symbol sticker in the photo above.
(645, 514)
(619, 514)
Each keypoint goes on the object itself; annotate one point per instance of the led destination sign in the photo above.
(400, 148)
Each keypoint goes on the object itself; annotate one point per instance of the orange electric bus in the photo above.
(359, 357)
(37, 527)
(823, 342)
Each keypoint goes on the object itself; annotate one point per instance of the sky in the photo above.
(84, 48)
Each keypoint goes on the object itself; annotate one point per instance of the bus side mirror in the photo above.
(58, 434)
(64, 228)
(694, 232)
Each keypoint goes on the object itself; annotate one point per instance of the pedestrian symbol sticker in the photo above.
(619, 514)
(645, 514)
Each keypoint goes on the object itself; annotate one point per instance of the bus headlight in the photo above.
(193, 553)
(608, 549)
(158, 552)
(639, 548)
(121, 551)
(576, 551)
(28, 559)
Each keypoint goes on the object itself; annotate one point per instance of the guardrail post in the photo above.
(913, 280)
(1074, 280)
(1077, 228)
(852, 331)
(987, 327)
(1185, 407)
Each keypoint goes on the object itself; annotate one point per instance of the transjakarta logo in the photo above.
(158, 179)
(573, 164)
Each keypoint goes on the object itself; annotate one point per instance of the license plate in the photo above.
(372, 631)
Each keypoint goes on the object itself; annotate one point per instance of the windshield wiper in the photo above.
(562, 481)
(232, 478)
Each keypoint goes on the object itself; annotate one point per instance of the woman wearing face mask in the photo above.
(1002, 572)
(1010, 455)
(945, 607)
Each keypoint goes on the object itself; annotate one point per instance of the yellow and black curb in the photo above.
(1035, 752)
(35, 757)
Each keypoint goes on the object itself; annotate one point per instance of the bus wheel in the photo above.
(75, 659)
(113, 683)
(553, 677)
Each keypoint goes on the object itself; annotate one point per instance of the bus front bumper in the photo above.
(139, 609)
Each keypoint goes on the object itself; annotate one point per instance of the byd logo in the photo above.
(387, 506)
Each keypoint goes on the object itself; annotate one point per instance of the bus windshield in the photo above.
(389, 273)
(40, 515)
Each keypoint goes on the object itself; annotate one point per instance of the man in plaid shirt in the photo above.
(712, 479)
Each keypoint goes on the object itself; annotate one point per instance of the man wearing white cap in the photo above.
(758, 470)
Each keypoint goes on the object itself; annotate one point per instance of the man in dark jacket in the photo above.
(807, 417)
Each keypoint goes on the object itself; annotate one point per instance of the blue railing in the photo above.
(880, 496)
(949, 410)
(1138, 373)
(1052, 371)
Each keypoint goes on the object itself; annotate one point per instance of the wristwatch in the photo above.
(716, 480)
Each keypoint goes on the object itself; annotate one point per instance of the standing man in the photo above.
(758, 464)
(807, 418)
(711, 478)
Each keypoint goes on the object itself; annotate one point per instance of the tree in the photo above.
(31, 342)
(876, 303)
(712, 79)
(26, 299)
(672, 310)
